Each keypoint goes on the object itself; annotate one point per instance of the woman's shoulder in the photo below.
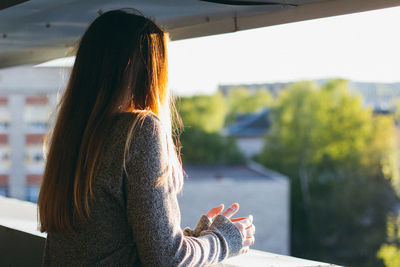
(145, 119)
(145, 127)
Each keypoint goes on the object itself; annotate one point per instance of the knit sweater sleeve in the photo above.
(153, 211)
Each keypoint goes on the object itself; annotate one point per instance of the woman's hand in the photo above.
(247, 229)
(244, 224)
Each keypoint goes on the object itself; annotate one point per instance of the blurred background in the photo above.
(299, 123)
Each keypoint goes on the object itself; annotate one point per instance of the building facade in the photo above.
(249, 130)
(25, 109)
(260, 192)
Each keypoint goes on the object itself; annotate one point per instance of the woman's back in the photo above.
(107, 236)
(133, 220)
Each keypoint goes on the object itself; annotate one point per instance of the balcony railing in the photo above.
(21, 244)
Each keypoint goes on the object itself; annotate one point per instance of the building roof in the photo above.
(381, 97)
(273, 88)
(251, 170)
(250, 125)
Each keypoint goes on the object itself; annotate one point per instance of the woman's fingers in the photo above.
(249, 242)
(247, 230)
(238, 219)
(215, 211)
(231, 210)
(244, 224)
(250, 231)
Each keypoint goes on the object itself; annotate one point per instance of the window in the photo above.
(37, 112)
(34, 155)
(4, 156)
(32, 193)
(4, 116)
(4, 191)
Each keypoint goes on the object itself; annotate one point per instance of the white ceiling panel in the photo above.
(38, 30)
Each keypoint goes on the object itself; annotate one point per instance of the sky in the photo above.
(361, 47)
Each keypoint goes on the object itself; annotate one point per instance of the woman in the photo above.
(112, 172)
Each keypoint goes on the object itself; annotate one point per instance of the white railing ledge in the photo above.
(257, 258)
(19, 215)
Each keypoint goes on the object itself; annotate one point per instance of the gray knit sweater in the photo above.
(134, 222)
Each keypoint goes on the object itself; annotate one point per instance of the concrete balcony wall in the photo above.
(21, 244)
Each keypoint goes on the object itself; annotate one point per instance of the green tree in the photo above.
(341, 160)
(390, 251)
(206, 112)
(203, 117)
(199, 146)
(242, 101)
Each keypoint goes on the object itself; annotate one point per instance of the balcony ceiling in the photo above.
(33, 31)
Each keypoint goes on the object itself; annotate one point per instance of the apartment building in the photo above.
(21, 143)
(25, 109)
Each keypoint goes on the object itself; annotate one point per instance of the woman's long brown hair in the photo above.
(120, 65)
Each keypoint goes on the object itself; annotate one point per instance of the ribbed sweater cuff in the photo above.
(230, 232)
